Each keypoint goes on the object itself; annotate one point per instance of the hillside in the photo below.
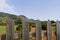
(6, 15)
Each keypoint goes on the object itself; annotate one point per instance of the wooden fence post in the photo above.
(58, 30)
(25, 25)
(38, 30)
(49, 31)
(10, 30)
(0, 37)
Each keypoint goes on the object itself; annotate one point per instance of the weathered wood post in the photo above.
(38, 30)
(25, 25)
(58, 30)
(49, 31)
(10, 30)
(0, 37)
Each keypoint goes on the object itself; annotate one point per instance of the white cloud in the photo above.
(5, 7)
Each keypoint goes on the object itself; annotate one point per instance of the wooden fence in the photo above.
(25, 36)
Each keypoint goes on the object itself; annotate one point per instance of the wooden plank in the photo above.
(58, 30)
(0, 37)
(10, 30)
(25, 26)
(38, 30)
(49, 31)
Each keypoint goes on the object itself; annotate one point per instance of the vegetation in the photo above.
(18, 21)
(2, 15)
(44, 25)
(2, 29)
(32, 24)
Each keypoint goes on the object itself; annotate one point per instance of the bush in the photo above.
(2, 22)
(44, 26)
(18, 21)
(32, 24)
(19, 27)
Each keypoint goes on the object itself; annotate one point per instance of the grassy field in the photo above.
(3, 29)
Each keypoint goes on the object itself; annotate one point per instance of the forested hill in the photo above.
(6, 15)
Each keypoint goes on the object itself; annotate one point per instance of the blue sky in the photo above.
(35, 9)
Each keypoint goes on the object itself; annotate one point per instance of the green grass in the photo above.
(3, 29)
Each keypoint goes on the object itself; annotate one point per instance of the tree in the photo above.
(44, 25)
(18, 21)
(19, 27)
(32, 24)
(52, 21)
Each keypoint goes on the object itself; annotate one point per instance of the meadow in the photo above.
(3, 29)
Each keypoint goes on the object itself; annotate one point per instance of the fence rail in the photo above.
(25, 36)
